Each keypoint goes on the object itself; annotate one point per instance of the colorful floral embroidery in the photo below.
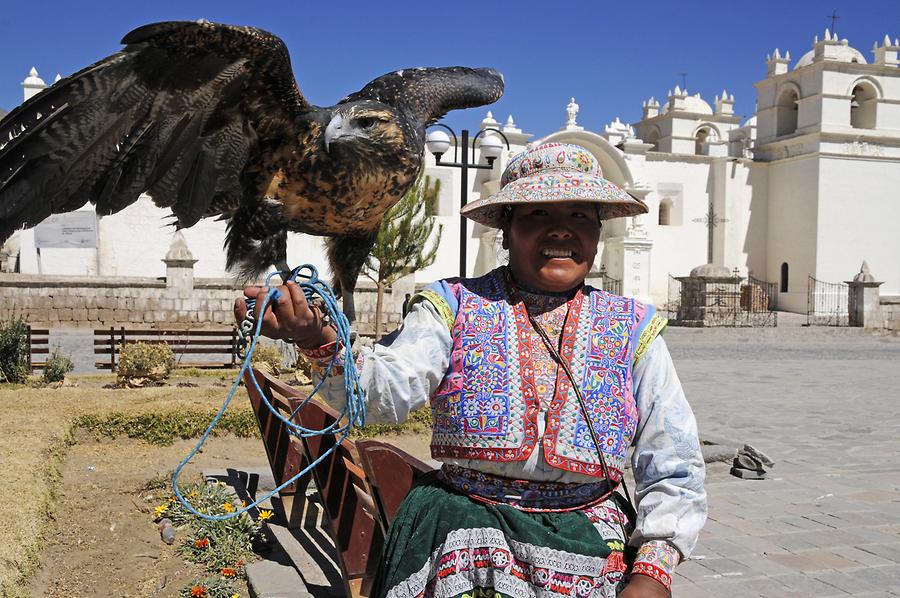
(471, 559)
(487, 407)
(657, 559)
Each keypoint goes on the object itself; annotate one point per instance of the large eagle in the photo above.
(208, 119)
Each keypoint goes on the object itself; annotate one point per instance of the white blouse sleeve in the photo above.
(399, 372)
(668, 466)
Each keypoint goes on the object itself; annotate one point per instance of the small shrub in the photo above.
(140, 363)
(56, 368)
(268, 358)
(14, 351)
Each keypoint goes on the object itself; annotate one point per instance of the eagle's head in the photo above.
(371, 131)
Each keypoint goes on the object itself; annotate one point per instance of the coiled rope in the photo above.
(353, 412)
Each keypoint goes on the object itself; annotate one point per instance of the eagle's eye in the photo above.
(366, 122)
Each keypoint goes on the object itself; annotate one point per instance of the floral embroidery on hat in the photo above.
(554, 172)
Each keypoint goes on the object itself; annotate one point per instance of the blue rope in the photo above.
(354, 411)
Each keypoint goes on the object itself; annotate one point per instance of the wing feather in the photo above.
(428, 93)
(168, 114)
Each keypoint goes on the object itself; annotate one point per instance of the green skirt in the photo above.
(443, 543)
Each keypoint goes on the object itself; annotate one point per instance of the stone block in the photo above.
(121, 315)
(80, 314)
(93, 314)
(135, 316)
(53, 315)
(65, 314)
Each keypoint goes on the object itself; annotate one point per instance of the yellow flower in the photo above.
(229, 508)
(243, 503)
(235, 596)
(265, 515)
(192, 494)
(161, 509)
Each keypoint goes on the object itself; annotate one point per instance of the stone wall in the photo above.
(96, 302)
(890, 312)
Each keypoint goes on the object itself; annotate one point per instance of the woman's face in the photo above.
(552, 246)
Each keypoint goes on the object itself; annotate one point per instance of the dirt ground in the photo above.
(103, 541)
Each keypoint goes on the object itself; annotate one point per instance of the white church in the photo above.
(807, 186)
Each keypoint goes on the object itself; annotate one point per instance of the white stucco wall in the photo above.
(792, 235)
(857, 220)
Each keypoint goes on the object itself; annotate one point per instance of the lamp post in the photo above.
(438, 142)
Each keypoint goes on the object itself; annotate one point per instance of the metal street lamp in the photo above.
(438, 142)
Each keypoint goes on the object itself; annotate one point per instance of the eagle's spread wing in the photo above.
(180, 112)
(427, 94)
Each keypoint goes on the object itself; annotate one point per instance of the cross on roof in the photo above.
(834, 17)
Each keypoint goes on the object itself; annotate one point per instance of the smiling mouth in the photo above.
(557, 253)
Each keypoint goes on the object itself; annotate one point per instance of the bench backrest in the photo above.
(391, 472)
(38, 347)
(192, 348)
(353, 517)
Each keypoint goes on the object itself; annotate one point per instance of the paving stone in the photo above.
(850, 584)
(807, 586)
(268, 579)
(890, 552)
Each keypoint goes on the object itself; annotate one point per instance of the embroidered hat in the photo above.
(553, 173)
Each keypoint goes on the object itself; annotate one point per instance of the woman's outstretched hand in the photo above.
(288, 318)
(642, 586)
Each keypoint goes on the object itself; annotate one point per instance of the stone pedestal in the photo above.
(630, 256)
(710, 296)
(864, 301)
(179, 268)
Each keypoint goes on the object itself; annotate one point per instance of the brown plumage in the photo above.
(208, 120)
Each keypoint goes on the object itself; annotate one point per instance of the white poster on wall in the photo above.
(73, 229)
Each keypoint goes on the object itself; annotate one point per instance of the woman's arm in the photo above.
(399, 372)
(668, 467)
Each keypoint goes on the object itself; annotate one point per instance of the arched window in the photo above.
(700, 142)
(784, 277)
(653, 139)
(786, 112)
(863, 100)
(665, 208)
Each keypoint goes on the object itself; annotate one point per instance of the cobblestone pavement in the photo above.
(825, 405)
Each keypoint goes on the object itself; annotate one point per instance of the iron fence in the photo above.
(608, 283)
(721, 302)
(827, 303)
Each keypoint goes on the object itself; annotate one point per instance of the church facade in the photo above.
(807, 186)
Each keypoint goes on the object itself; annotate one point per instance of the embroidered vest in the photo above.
(486, 405)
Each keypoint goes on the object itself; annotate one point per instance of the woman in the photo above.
(511, 361)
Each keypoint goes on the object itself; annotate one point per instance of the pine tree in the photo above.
(402, 246)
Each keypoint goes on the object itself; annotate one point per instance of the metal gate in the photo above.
(608, 283)
(732, 302)
(827, 303)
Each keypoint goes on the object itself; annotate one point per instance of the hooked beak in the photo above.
(333, 130)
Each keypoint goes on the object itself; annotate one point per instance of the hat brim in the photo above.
(612, 201)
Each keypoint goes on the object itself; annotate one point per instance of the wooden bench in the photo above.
(38, 348)
(361, 484)
(192, 348)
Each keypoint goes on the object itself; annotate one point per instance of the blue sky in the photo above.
(608, 55)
